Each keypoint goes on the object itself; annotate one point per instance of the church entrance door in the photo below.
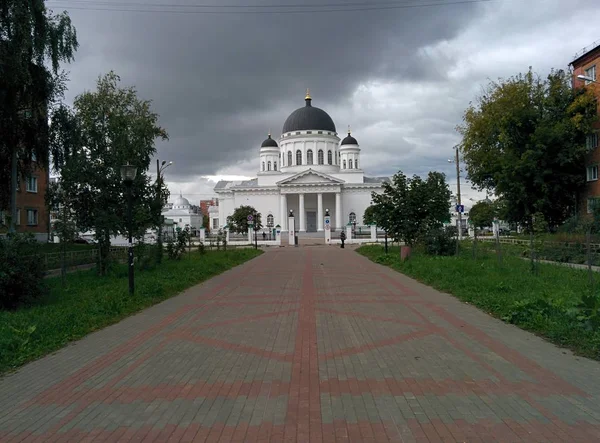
(311, 222)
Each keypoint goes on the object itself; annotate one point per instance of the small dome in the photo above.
(349, 140)
(269, 143)
(307, 118)
(181, 201)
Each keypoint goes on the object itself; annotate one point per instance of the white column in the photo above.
(319, 212)
(338, 211)
(373, 233)
(284, 212)
(302, 213)
(202, 234)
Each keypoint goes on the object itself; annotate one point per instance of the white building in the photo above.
(308, 170)
(182, 213)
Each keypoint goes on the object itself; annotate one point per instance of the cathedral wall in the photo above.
(356, 200)
(265, 204)
(350, 177)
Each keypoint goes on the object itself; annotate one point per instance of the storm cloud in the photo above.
(400, 77)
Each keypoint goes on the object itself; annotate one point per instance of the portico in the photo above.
(308, 194)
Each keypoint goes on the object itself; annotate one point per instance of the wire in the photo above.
(124, 7)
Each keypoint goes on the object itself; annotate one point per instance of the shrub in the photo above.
(176, 249)
(21, 275)
(439, 242)
(201, 248)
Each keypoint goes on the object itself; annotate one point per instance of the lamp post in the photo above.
(458, 201)
(128, 173)
(160, 168)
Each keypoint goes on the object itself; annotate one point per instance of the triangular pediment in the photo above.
(310, 176)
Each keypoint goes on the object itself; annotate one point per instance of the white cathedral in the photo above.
(308, 170)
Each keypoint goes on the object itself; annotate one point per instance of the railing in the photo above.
(54, 260)
(586, 49)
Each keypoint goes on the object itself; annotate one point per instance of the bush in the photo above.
(176, 249)
(201, 248)
(439, 242)
(21, 275)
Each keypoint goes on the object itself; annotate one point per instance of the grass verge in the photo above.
(88, 302)
(548, 304)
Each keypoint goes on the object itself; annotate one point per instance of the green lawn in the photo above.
(546, 303)
(89, 302)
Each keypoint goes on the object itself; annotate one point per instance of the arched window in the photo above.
(356, 164)
(329, 157)
(289, 158)
(344, 167)
(309, 157)
(321, 158)
(352, 217)
(350, 164)
(270, 221)
(263, 166)
(268, 166)
(298, 157)
(274, 166)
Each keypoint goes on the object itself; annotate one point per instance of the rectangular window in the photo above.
(592, 173)
(32, 217)
(591, 73)
(215, 223)
(591, 141)
(592, 203)
(31, 184)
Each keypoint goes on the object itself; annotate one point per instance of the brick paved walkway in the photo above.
(306, 344)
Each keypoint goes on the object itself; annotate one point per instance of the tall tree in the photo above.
(238, 221)
(108, 128)
(524, 139)
(31, 38)
(408, 208)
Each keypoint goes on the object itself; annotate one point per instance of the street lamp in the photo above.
(164, 165)
(457, 161)
(128, 173)
(586, 78)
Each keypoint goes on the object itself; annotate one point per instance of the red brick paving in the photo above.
(306, 344)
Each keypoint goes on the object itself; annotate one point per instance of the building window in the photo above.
(356, 163)
(32, 217)
(274, 166)
(309, 157)
(591, 141)
(289, 158)
(298, 157)
(270, 221)
(591, 73)
(320, 157)
(352, 217)
(268, 166)
(344, 165)
(592, 173)
(592, 204)
(298, 133)
(31, 184)
(309, 132)
(350, 164)
(215, 223)
(263, 166)
(320, 132)
(329, 158)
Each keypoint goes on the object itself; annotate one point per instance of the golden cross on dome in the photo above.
(349, 131)
(307, 95)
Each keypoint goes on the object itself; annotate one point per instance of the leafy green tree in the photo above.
(33, 43)
(238, 222)
(370, 215)
(524, 139)
(408, 208)
(482, 214)
(108, 128)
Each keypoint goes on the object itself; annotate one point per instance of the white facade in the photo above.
(308, 170)
(181, 212)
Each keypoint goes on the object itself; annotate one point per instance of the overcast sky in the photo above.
(401, 77)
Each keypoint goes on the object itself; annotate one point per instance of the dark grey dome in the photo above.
(349, 140)
(307, 118)
(269, 143)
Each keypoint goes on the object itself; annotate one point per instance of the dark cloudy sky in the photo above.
(401, 77)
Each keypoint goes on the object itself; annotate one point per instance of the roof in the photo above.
(349, 140)
(376, 179)
(269, 143)
(584, 52)
(307, 118)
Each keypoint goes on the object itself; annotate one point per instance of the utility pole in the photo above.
(13, 191)
(159, 205)
(458, 193)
